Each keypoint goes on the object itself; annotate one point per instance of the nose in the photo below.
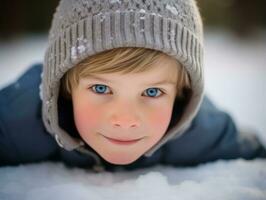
(124, 123)
(125, 118)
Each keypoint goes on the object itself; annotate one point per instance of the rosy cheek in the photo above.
(86, 118)
(160, 119)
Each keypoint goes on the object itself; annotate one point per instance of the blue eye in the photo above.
(152, 92)
(102, 89)
(99, 88)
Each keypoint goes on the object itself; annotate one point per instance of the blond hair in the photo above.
(124, 60)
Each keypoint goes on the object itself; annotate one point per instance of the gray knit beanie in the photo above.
(81, 28)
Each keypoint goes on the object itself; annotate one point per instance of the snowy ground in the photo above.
(220, 180)
(235, 73)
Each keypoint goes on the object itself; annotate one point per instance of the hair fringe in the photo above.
(124, 60)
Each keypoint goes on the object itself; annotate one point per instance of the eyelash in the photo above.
(93, 90)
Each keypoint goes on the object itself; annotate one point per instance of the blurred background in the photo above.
(30, 16)
(235, 51)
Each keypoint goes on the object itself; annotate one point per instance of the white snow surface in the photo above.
(235, 72)
(237, 179)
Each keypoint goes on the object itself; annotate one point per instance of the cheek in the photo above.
(159, 119)
(86, 116)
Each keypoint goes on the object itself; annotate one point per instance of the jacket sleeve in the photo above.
(23, 138)
(212, 135)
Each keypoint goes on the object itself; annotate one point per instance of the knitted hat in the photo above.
(81, 28)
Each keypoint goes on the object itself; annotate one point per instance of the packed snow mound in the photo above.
(235, 179)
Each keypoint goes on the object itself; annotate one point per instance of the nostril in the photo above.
(123, 123)
(133, 125)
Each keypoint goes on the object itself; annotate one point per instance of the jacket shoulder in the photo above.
(213, 135)
(28, 80)
(23, 136)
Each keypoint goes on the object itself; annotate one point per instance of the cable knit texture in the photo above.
(81, 28)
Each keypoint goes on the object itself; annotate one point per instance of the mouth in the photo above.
(122, 141)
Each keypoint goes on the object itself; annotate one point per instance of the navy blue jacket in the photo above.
(23, 139)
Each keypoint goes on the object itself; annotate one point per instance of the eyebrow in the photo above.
(162, 82)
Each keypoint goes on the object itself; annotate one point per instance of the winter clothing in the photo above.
(24, 139)
(81, 28)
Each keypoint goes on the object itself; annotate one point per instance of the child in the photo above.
(121, 86)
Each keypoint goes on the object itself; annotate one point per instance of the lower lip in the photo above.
(122, 142)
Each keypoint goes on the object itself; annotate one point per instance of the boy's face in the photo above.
(123, 116)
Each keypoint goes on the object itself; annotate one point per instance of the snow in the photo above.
(238, 179)
(235, 80)
(235, 71)
(142, 11)
(74, 55)
(172, 9)
(80, 48)
(115, 1)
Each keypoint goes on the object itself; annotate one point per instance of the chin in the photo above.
(120, 159)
